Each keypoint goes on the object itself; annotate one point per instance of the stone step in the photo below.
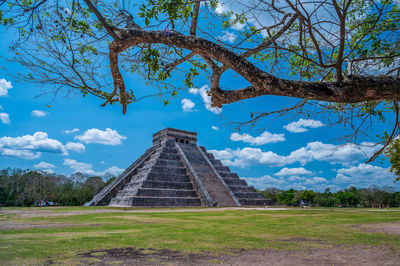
(221, 168)
(168, 170)
(152, 192)
(249, 195)
(120, 202)
(228, 175)
(166, 202)
(210, 155)
(255, 202)
(169, 163)
(125, 193)
(216, 162)
(168, 177)
(171, 150)
(169, 156)
(235, 182)
(242, 188)
(167, 184)
(210, 181)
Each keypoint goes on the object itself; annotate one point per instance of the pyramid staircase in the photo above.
(175, 172)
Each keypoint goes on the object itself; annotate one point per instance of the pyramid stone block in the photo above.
(176, 172)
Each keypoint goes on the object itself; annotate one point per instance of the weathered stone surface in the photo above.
(175, 172)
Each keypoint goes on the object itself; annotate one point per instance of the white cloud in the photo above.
(315, 180)
(187, 105)
(293, 171)
(87, 168)
(265, 181)
(296, 178)
(75, 146)
(72, 131)
(314, 183)
(364, 175)
(4, 87)
(215, 128)
(84, 168)
(248, 156)
(221, 8)
(206, 99)
(39, 113)
(228, 37)
(303, 125)
(106, 137)
(44, 165)
(313, 151)
(264, 138)
(5, 118)
(114, 170)
(30, 146)
(23, 154)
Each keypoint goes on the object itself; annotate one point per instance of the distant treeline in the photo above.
(26, 188)
(349, 197)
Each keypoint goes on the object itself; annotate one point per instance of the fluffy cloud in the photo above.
(264, 182)
(30, 146)
(75, 146)
(364, 175)
(206, 99)
(44, 166)
(23, 154)
(87, 168)
(313, 151)
(5, 118)
(264, 138)
(84, 168)
(106, 137)
(293, 171)
(4, 87)
(315, 180)
(303, 125)
(215, 128)
(314, 183)
(221, 8)
(248, 156)
(187, 105)
(114, 170)
(39, 113)
(228, 37)
(71, 131)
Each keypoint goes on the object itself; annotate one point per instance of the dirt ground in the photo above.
(338, 255)
(388, 228)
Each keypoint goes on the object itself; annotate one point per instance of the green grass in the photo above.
(193, 231)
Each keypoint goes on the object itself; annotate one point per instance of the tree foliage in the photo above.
(25, 188)
(349, 197)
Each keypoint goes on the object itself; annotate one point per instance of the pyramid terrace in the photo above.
(176, 172)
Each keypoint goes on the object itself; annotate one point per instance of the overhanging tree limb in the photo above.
(354, 89)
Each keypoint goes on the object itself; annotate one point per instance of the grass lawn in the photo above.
(32, 235)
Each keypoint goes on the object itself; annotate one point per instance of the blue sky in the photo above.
(76, 134)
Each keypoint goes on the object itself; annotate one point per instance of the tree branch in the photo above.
(193, 26)
(354, 89)
(102, 20)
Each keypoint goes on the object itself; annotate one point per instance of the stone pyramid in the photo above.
(174, 172)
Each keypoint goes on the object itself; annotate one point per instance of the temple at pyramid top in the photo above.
(178, 135)
(176, 172)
